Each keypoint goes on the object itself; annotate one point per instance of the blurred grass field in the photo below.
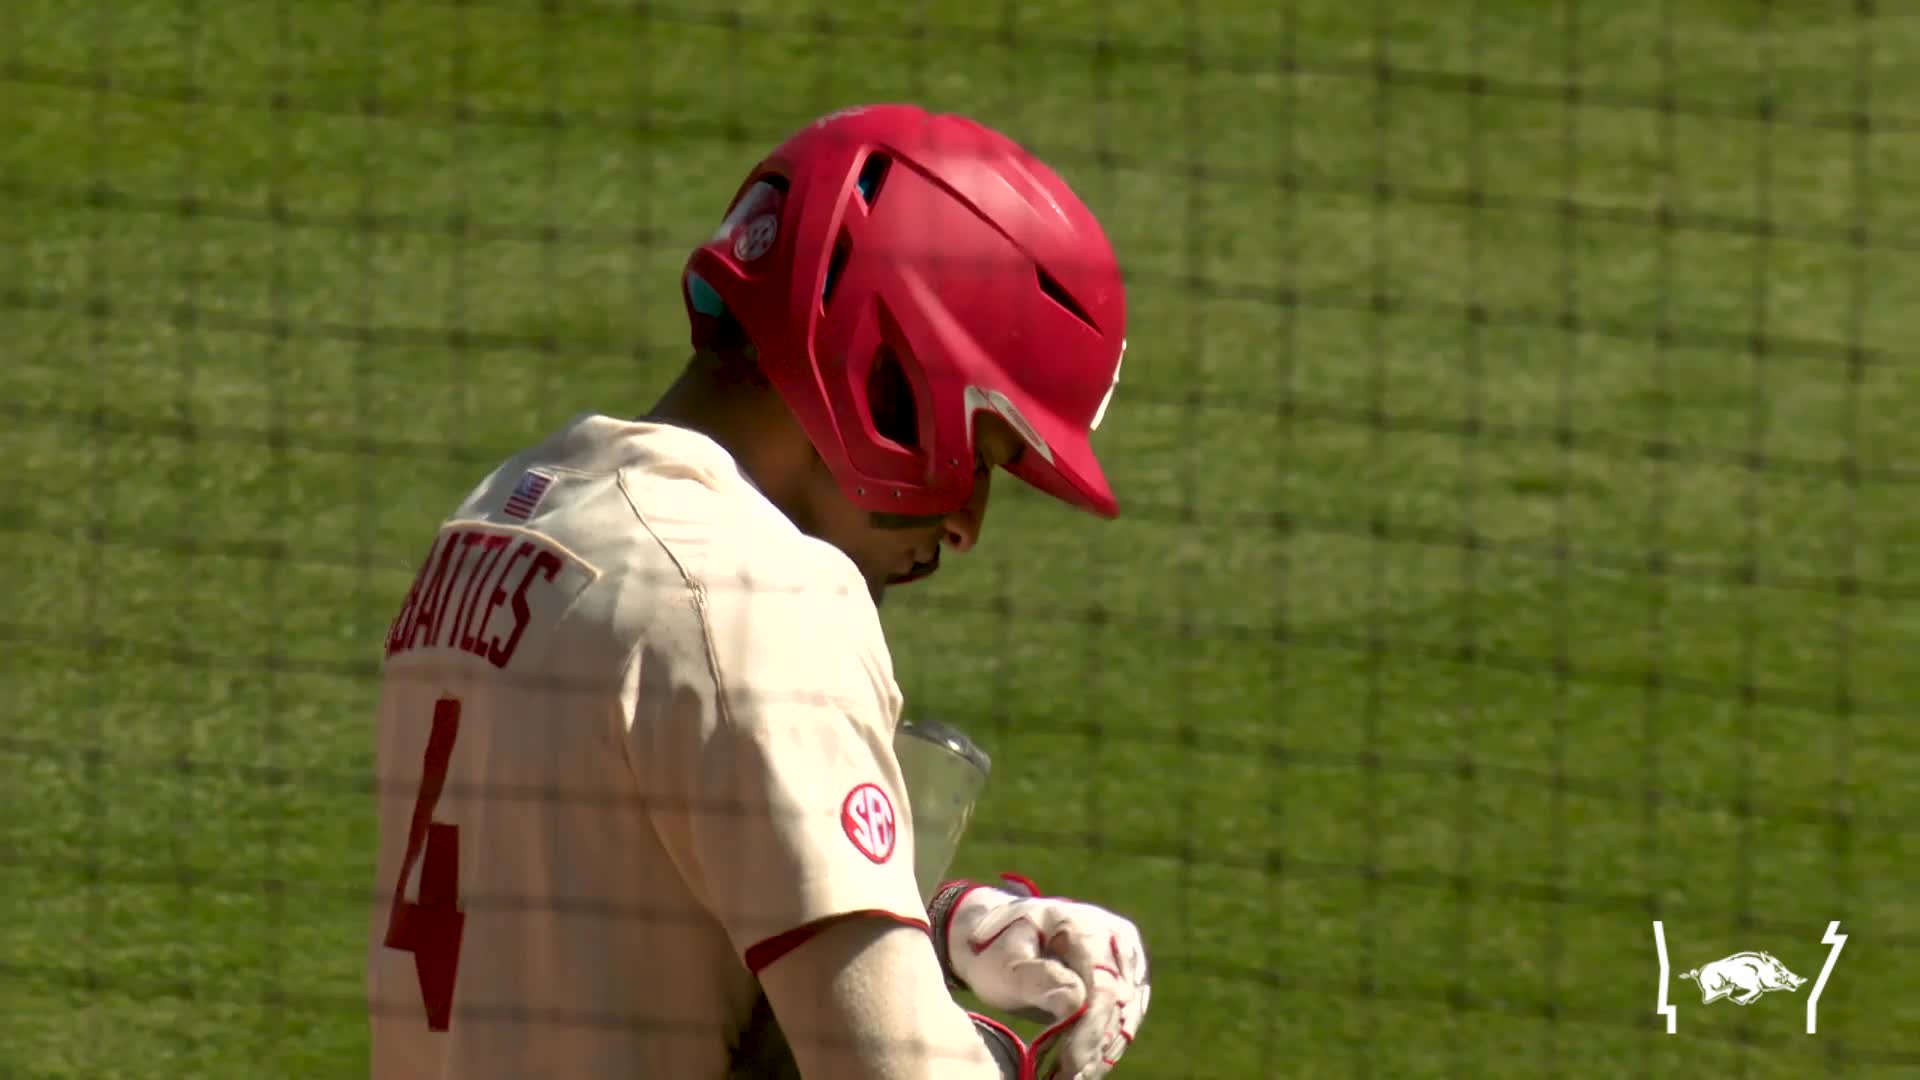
(1517, 447)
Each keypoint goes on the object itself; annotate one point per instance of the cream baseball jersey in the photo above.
(634, 732)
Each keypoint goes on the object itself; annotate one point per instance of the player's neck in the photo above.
(743, 414)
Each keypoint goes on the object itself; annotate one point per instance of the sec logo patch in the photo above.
(867, 815)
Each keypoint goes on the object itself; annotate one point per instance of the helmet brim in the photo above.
(1059, 459)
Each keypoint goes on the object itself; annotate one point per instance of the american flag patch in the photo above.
(526, 494)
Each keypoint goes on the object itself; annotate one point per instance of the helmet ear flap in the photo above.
(717, 331)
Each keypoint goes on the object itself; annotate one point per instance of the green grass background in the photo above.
(1517, 441)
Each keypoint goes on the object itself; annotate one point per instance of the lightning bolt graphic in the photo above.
(1665, 1008)
(1838, 940)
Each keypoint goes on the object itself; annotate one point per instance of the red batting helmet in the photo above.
(897, 272)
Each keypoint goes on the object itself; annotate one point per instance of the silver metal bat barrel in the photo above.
(945, 772)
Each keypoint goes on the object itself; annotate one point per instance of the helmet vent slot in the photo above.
(890, 400)
(1058, 294)
(872, 175)
(842, 248)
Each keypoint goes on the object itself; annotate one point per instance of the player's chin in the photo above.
(918, 573)
(879, 588)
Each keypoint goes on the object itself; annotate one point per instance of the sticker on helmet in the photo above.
(844, 114)
(867, 817)
(760, 200)
(757, 238)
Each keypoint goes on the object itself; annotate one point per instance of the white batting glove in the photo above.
(1079, 967)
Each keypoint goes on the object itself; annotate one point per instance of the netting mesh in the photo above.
(1515, 454)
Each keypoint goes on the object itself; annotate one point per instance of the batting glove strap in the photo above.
(1012, 1055)
(940, 921)
(1043, 1059)
(940, 917)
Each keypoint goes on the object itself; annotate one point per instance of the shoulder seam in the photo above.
(693, 591)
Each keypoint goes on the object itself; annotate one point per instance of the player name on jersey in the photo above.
(471, 594)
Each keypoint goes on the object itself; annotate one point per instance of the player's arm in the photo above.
(771, 780)
(864, 999)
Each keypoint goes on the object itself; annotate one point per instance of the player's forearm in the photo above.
(865, 1000)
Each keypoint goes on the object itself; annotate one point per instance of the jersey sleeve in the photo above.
(869, 1002)
(768, 764)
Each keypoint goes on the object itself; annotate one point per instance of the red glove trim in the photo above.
(1025, 883)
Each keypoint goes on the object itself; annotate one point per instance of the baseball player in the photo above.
(635, 761)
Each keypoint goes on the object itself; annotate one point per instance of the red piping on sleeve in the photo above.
(762, 954)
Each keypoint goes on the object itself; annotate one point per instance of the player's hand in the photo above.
(1079, 967)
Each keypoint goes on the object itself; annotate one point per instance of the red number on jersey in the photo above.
(429, 928)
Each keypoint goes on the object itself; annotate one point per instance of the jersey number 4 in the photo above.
(429, 927)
